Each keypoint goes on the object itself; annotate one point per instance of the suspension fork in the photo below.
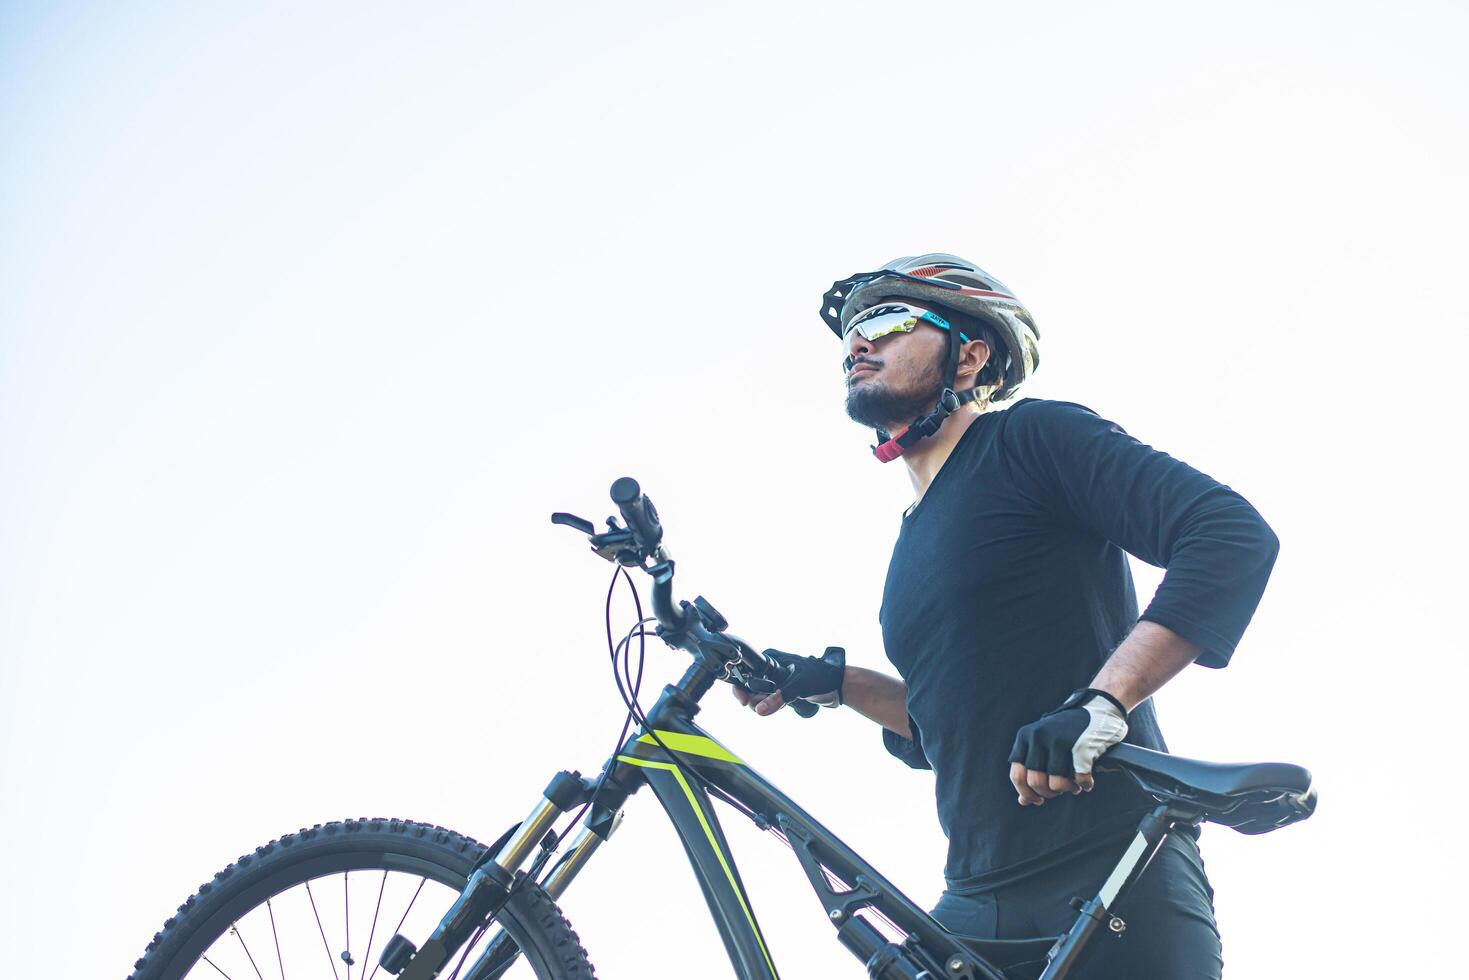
(501, 949)
(603, 817)
(490, 884)
(619, 781)
(599, 825)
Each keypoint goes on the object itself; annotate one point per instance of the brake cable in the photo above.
(635, 709)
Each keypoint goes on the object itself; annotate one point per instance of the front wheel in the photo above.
(333, 895)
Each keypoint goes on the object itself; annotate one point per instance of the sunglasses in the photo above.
(891, 318)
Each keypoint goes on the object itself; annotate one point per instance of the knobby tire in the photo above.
(546, 939)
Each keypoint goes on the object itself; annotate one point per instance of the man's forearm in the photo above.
(1143, 662)
(878, 697)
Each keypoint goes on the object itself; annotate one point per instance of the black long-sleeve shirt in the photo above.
(1008, 588)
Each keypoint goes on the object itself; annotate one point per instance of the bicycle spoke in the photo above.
(284, 935)
(324, 944)
(277, 936)
(373, 931)
(347, 919)
(421, 883)
(235, 928)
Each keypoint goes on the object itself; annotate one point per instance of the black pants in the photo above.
(1169, 914)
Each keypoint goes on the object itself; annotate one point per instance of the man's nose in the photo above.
(858, 345)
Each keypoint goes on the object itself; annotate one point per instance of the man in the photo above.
(1010, 614)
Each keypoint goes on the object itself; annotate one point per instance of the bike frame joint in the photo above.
(839, 906)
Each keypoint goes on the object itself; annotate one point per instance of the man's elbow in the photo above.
(1250, 532)
(1269, 543)
(1258, 549)
(1253, 541)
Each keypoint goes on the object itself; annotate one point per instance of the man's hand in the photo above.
(1055, 754)
(814, 679)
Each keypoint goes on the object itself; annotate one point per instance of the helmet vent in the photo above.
(929, 271)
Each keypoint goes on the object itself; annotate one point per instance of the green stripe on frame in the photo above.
(693, 745)
(708, 831)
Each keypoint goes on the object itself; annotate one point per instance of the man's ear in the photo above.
(972, 358)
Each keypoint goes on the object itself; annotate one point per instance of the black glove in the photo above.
(1066, 742)
(814, 679)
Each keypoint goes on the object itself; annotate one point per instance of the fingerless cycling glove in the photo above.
(814, 679)
(1066, 742)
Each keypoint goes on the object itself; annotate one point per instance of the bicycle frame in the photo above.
(929, 949)
(643, 760)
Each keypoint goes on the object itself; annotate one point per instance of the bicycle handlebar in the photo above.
(670, 614)
(638, 511)
(696, 627)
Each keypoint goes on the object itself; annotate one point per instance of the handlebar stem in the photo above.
(669, 615)
(696, 682)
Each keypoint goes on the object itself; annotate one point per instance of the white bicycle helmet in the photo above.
(959, 285)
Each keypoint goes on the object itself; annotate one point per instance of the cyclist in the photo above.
(1010, 614)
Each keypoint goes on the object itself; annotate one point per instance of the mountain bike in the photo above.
(490, 912)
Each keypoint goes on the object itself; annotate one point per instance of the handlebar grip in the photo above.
(803, 708)
(767, 671)
(638, 512)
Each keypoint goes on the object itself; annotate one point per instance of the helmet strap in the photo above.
(890, 447)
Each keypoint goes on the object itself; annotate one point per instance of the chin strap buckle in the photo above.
(933, 421)
(894, 446)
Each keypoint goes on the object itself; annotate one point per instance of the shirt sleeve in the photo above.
(910, 750)
(1216, 549)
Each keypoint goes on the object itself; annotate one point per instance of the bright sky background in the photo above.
(311, 314)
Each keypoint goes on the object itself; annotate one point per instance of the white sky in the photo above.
(311, 314)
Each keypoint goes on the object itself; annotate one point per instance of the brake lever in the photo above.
(616, 544)
(571, 520)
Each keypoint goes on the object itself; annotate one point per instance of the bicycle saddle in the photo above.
(1253, 798)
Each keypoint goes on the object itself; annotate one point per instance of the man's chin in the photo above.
(875, 406)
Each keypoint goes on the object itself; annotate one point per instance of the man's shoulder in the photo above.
(1028, 413)
(1051, 429)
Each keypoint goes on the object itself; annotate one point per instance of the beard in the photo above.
(878, 405)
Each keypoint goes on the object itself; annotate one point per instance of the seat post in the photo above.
(1152, 831)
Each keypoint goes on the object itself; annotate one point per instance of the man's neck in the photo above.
(927, 457)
